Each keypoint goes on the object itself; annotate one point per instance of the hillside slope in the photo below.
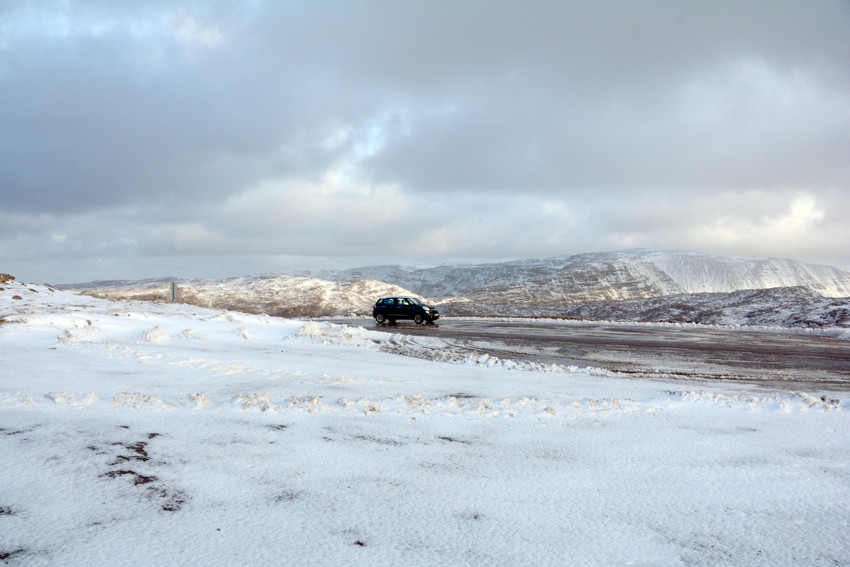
(630, 274)
(780, 306)
(281, 296)
(641, 285)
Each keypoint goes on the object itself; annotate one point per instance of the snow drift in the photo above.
(163, 433)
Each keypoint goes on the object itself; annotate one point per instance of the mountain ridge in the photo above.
(661, 285)
(629, 274)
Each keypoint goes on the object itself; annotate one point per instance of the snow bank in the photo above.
(795, 401)
(154, 335)
(71, 399)
(330, 334)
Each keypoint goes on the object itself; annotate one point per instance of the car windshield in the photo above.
(415, 301)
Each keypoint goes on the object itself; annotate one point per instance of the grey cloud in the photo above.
(273, 129)
(690, 135)
(116, 118)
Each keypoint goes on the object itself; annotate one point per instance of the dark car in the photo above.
(388, 309)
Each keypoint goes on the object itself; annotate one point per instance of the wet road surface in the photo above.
(768, 358)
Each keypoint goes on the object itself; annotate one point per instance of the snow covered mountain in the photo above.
(630, 274)
(778, 306)
(650, 285)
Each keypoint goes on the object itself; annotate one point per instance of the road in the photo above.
(696, 353)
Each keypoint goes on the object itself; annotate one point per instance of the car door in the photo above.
(406, 309)
(391, 308)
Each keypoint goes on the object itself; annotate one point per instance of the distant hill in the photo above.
(778, 306)
(630, 274)
(640, 285)
(280, 296)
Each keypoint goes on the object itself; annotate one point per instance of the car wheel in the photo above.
(418, 319)
(380, 318)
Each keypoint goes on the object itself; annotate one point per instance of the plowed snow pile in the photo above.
(159, 434)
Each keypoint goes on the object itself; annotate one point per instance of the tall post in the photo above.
(173, 291)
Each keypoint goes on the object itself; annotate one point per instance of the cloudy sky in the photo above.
(211, 139)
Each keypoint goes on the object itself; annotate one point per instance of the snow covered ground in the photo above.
(156, 434)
